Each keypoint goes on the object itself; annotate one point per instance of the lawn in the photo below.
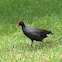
(44, 14)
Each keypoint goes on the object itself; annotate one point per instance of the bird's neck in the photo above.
(23, 26)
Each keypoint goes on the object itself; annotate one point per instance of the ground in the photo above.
(15, 46)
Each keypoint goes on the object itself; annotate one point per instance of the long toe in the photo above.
(43, 41)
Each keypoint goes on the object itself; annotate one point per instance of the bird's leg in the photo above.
(32, 42)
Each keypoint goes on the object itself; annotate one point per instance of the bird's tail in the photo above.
(49, 33)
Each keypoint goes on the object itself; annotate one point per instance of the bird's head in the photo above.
(21, 24)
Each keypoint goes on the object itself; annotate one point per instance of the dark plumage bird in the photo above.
(34, 33)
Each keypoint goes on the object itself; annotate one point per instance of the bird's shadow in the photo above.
(35, 47)
(38, 46)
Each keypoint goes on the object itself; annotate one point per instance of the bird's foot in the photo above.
(43, 41)
(47, 42)
(31, 44)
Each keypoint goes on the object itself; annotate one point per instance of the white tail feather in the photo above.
(48, 34)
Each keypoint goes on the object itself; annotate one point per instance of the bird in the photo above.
(34, 33)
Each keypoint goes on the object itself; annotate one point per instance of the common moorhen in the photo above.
(34, 33)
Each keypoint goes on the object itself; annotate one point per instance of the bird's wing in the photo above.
(32, 31)
(42, 31)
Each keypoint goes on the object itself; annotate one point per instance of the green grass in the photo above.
(15, 46)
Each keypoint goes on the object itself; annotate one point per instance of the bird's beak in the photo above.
(18, 24)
